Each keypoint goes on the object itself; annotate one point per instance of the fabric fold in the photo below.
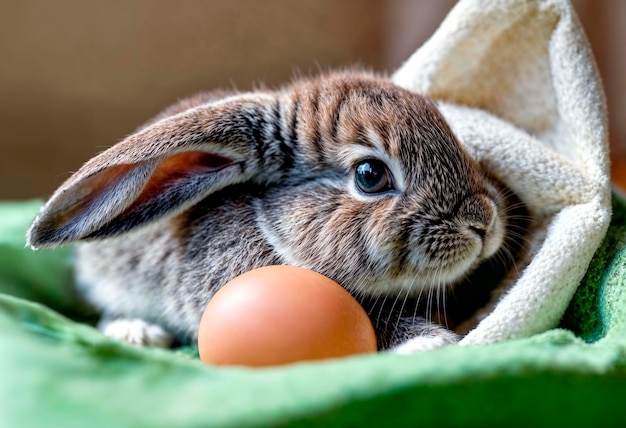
(518, 83)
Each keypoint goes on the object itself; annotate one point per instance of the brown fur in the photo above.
(221, 184)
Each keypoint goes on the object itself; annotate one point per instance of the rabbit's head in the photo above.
(357, 179)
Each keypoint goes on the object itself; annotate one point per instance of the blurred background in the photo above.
(77, 76)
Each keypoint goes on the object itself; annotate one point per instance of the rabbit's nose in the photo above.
(479, 217)
(477, 212)
(479, 230)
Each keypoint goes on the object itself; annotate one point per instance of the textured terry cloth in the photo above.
(519, 85)
(57, 372)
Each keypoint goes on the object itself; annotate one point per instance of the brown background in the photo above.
(76, 75)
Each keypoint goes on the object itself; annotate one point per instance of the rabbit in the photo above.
(345, 174)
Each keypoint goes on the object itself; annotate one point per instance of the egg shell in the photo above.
(282, 314)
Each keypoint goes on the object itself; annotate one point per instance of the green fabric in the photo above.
(55, 371)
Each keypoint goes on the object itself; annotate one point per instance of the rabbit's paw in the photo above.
(136, 332)
(426, 343)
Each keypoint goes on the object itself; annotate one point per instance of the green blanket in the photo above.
(57, 370)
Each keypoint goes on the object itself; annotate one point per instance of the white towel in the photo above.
(519, 85)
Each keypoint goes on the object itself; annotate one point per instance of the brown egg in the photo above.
(282, 314)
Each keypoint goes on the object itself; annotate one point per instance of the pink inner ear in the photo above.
(180, 166)
(178, 176)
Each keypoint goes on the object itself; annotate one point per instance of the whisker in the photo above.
(406, 296)
(380, 311)
(443, 310)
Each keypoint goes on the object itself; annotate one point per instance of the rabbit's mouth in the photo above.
(445, 251)
(424, 270)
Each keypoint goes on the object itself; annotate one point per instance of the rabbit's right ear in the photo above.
(163, 169)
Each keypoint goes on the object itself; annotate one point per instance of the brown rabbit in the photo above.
(345, 174)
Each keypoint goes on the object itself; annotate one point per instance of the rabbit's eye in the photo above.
(372, 176)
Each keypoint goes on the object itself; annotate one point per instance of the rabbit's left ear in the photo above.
(162, 170)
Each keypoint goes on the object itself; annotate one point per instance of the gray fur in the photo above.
(270, 180)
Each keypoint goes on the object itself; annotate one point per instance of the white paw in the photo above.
(424, 343)
(136, 332)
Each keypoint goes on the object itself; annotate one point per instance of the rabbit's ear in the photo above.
(162, 170)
